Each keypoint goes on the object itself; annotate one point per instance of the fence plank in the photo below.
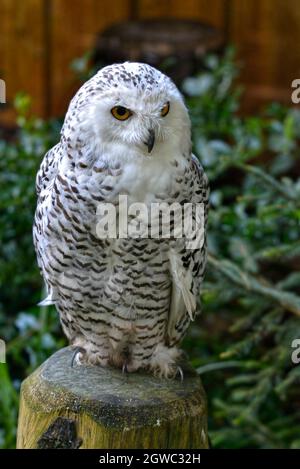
(267, 36)
(22, 53)
(74, 25)
(211, 11)
(39, 39)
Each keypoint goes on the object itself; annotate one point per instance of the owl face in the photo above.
(134, 109)
(144, 121)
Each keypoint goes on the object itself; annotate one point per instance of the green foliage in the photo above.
(241, 345)
(251, 297)
(31, 333)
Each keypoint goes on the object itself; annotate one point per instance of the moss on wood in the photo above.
(111, 409)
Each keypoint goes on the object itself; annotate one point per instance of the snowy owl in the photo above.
(123, 301)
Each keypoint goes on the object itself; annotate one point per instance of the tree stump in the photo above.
(175, 46)
(86, 406)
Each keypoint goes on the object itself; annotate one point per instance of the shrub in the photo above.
(251, 302)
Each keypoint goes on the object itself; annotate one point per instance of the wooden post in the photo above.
(94, 407)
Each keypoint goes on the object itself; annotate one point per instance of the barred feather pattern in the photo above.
(126, 302)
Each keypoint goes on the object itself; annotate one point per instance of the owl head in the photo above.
(128, 110)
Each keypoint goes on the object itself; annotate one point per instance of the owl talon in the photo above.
(180, 373)
(77, 355)
(125, 368)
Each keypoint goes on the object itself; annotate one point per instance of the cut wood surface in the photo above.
(93, 407)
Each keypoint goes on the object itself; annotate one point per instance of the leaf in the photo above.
(287, 300)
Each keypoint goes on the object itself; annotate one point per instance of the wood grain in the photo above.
(267, 33)
(74, 26)
(40, 38)
(110, 409)
(211, 11)
(22, 53)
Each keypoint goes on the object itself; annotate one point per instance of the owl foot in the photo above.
(129, 367)
(179, 372)
(77, 356)
(163, 362)
(89, 353)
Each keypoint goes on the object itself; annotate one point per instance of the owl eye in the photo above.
(165, 110)
(121, 113)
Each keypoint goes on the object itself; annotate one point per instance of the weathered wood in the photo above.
(93, 407)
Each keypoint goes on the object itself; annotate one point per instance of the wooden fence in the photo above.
(39, 39)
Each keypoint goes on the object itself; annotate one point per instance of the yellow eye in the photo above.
(121, 113)
(165, 110)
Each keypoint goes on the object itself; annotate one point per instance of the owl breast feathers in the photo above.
(124, 301)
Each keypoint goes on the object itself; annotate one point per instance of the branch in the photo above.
(285, 191)
(287, 300)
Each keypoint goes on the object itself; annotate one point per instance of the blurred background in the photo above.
(234, 61)
(40, 38)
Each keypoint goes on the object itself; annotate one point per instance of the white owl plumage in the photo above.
(124, 302)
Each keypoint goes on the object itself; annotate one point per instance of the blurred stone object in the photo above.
(172, 45)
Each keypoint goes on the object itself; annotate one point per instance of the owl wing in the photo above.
(44, 182)
(188, 257)
(48, 169)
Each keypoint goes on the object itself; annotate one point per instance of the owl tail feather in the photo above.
(181, 291)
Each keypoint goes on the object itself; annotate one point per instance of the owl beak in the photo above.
(151, 140)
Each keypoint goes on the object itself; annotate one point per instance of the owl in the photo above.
(123, 301)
